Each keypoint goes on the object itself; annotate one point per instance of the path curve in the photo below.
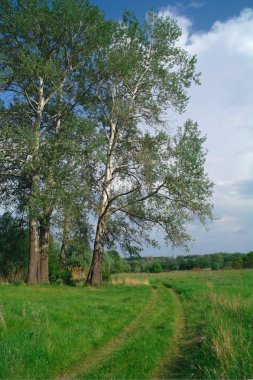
(166, 368)
(106, 350)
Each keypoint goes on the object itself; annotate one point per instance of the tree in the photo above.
(146, 178)
(248, 260)
(202, 261)
(13, 245)
(237, 261)
(155, 268)
(217, 261)
(46, 47)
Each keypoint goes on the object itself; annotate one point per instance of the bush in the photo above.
(55, 268)
(105, 276)
(155, 268)
(57, 273)
(66, 276)
(14, 248)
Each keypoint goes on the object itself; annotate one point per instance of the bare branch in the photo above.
(142, 199)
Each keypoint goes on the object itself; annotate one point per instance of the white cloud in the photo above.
(222, 106)
(191, 4)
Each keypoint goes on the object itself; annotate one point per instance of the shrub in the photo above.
(155, 268)
(66, 276)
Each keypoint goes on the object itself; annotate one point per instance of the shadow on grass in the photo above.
(187, 364)
(187, 361)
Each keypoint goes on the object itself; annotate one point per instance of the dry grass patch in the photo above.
(129, 281)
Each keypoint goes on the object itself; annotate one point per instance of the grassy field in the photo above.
(55, 332)
(218, 318)
(175, 325)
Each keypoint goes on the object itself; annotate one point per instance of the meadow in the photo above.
(140, 326)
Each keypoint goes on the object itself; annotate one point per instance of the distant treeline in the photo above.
(215, 261)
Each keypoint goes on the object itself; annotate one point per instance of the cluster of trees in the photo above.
(213, 261)
(84, 143)
(13, 247)
(14, 254)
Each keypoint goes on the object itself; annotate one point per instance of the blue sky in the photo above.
(220, 33)
(203, 13)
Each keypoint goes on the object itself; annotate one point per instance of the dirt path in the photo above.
(170, 364)
(105, 351)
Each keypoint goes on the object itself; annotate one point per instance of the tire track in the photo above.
(106, 350)
(167, 369)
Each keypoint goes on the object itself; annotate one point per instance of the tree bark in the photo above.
(44, 252)
(33, 277)
(34, 252)
(95, 273)
(63, 253)
(65, 237)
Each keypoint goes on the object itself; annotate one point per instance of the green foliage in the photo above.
(135, 266)
(147, 179)
(155, 268)
(248, 260)
(66, 277)
(13, 247)
(78, 250)
(46, 49)
(81, 86)
(58, 273)
(54, 266)
(113, 263)
(213, 261)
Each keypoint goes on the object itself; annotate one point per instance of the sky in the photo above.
(220, 33)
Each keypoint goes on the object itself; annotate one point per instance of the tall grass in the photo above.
(50, 329)
(131, 329)
(229, 338)
(218, 315)
(139, 355)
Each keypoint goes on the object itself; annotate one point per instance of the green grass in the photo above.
(140, 354)
(50, 329)
(218, 307)
(183, 325)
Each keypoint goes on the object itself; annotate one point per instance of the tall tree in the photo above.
(45, 45)
(147, 178)
(13, 245)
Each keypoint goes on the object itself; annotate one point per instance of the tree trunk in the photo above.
(65, 237)
(34, 251)
(33, 277)
(44, 252)
(63, 253)
(95, 273)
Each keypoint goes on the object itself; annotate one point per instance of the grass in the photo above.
(139, 355)
(49, 330)
(218, 307)
(176, 325)
(63, 332)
